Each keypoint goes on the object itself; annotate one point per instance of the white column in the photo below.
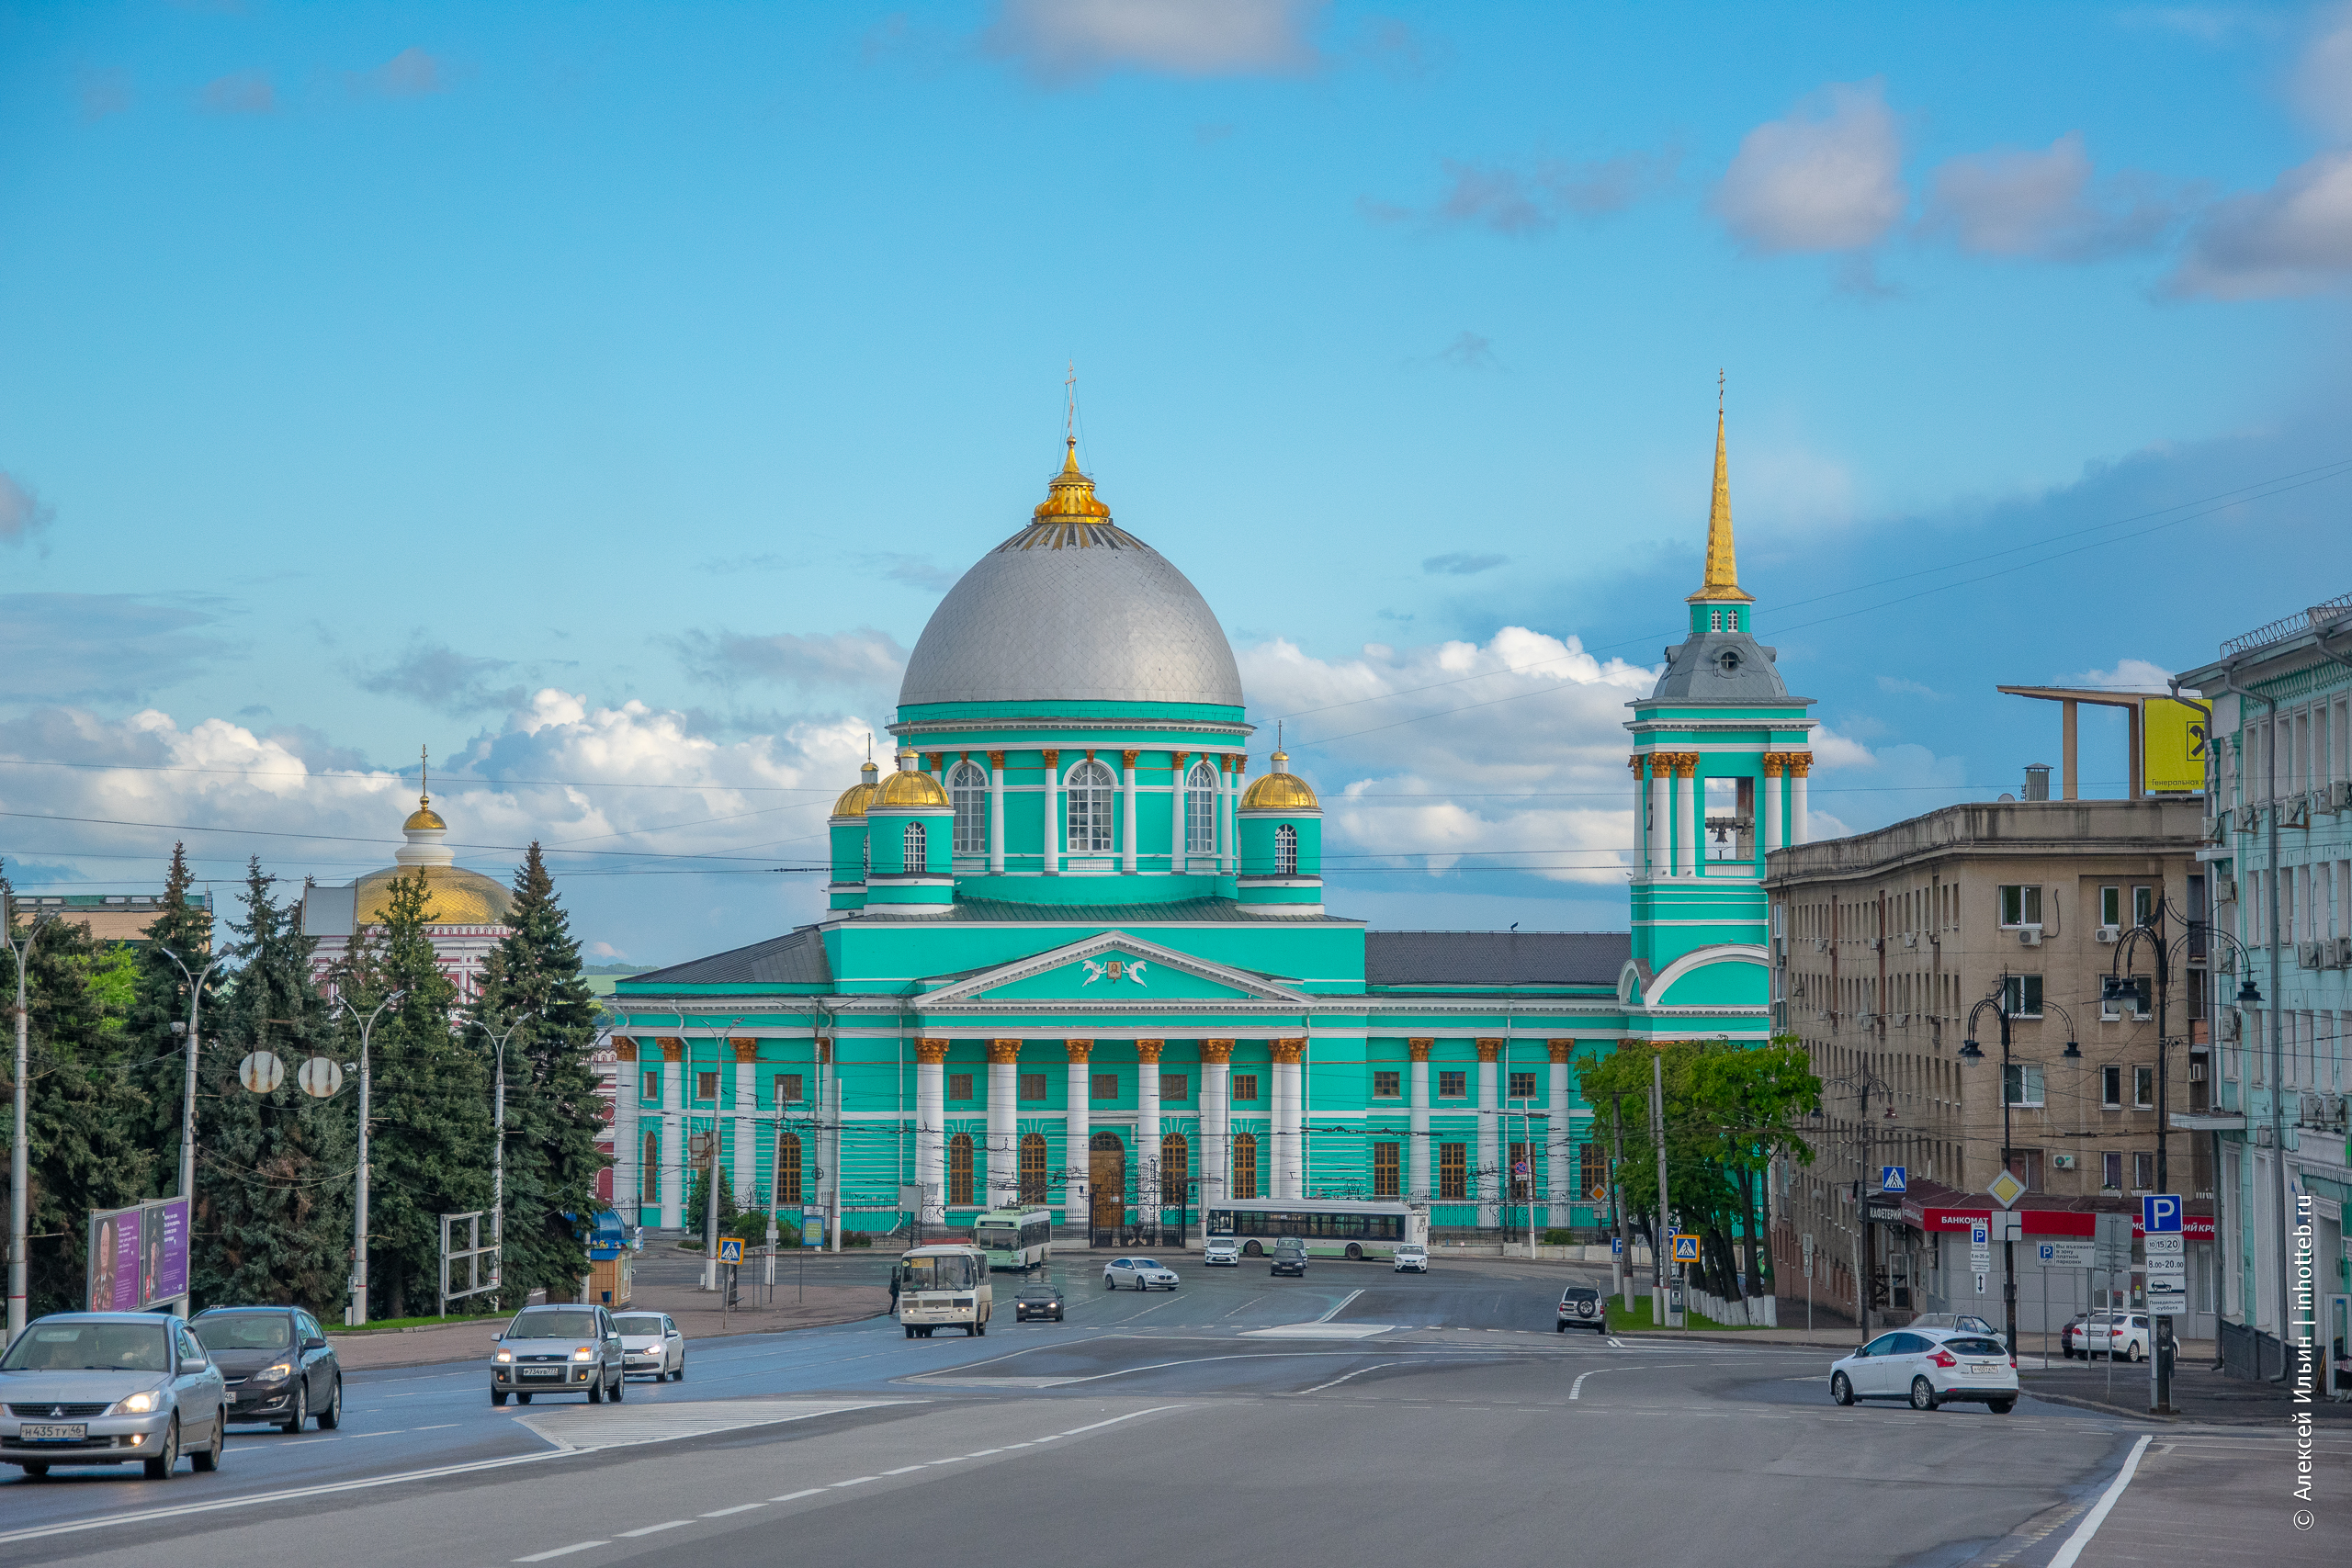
(674, 1140)
(628, 1143)
(828, 1140)
(1053, 799)
(1078, 1126)
(1229, 788)
(931, 1122)
(1418, 1185)
(1004, 1124)
(1661, 831)
(1290, 1121)
(1558, 1136)
(996, 813)
(1128, 812)
(1490, 1187)
(1216, 1121)
(1800, 832)
(749, 1174)
(1767, 805)
(1148, 1133)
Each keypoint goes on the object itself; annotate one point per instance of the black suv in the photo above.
(1580, 1306)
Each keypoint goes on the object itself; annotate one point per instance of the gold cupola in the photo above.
(1071, 516)
(910, 786)
(859, 795)
(1280, 790)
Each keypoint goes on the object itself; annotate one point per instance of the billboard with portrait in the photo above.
(138, 1255)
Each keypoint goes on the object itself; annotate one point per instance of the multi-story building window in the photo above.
(706, 1087)
(648, 1171)
(652, 1087)
(2022, 1083)
(2111, 905)
(1453, 1171)
(1522, 1173)
(1245, 1086)
(2110, 1170)
(1032, 1164)
(967, 786)
(2143, 1170)
(787, 1168)
(959, 1085)
(1522, 1086)
(2021, 995)
(1244, 1164)
(1383, 1169)
(1103, 1086)
(1090, 793)
(1200, 810)
(1453, 1086)
(959, 1168)
(918, 856)
(2143, 1087)
(784, 1088)
(1175, 1086)
(1175, 1169)
(1032, 1088)
(1387, 1085)
(2020, 904)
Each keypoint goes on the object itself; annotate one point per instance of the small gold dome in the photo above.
(858, 797)
(1072, 494)
(1280, 790)
(424, 820)
(910, 787)
(453, 896)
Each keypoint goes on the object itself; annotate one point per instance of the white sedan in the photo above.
(652, 1346)
(1929, 1367)
(1138, 1273)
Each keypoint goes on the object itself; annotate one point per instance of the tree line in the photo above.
(275, 1172)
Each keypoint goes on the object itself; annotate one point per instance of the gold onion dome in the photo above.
(453, 896)
(424, 819)
(1280, 790)
(910, 787)
(1072, 494)
(859, 795)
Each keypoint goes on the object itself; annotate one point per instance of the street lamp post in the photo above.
(1999, 1003)
(356, 1315)
(187, 1086)
(19, 1165)
(498, 1146)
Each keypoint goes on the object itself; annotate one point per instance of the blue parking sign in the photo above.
(2160, 1213)
(1616, 1247)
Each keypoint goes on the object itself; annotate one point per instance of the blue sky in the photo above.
(602, 396)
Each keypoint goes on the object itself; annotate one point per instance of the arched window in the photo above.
(1200, 810)
(918, 857)
(787, 1168)
(1033, 1168)
(1090, 794)
(959, 1168)
(648, 1171)
(1175, 1169)
(1244, 1164)
(1286, 851)
(968, 787)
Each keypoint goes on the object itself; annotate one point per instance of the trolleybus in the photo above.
(1331, 1227)
(947, 1284)
(1014, 1238)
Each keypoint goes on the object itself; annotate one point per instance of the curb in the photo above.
(730, 1334)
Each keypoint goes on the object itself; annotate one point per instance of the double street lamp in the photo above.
(498, 1144)
(355, 1315)
(187, 1084)
(2000, 1002)
(19, 1168)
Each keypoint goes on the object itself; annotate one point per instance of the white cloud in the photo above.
(1828, 178)
(2015, 202)
(2129, 675)
(2295, 238)
(864, 657)
(1060, 41)
(1550, 190)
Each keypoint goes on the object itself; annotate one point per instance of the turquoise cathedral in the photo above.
(1077, 956)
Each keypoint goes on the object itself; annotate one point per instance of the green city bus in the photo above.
(1014, 1238)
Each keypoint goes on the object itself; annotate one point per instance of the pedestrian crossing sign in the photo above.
(731, 1249)
(1686, 1249)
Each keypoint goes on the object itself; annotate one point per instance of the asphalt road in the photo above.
(1353, 1417)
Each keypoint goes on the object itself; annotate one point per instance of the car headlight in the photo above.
(585, 1353)
(503, 1356)
(275, 1373)
(137, 1404)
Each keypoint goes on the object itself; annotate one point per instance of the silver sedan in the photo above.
(110, 1388)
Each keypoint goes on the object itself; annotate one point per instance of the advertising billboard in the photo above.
(138, 1257)
(2171, 746)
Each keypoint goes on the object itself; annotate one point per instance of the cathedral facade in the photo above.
(1076, 955)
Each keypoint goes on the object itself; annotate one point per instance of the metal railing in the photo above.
(2309, 619)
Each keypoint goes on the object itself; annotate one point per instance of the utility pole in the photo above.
(187, 1084)
(498, 1150)
(19, 1165)
(355, 1315)
(1659, 1244)
(1621, 1267)
(1865, 1244)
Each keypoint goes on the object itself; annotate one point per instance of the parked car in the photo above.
(652, 1346)
(1580, 1307)
(1221, 1252)
(559, 1349)
(2128, 1335)
(1928, 1368)
(1138, 1273)
(1412, 1255)
(1958, 1323)
(110, 1388)
(1037, 1300)
(2073, 1340)
(1290, 1257)
(276, 1364)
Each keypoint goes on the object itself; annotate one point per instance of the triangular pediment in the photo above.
(1115, 969)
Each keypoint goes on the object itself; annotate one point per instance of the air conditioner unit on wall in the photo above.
(2339, 954)
(2225, 890)
(1910, 939)
(2108, 933)
(1877, 945)
(2062, 1162)
(2307, 954)
(2295, 813)
(2339, 795)
(2030, 936)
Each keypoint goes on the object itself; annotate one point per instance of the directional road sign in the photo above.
(1686, 1249)
(1893, 1178)
(731, 1249)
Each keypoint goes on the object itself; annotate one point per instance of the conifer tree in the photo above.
(554, 1114)
(429, 1141)
(274, 1171)
(184, 929)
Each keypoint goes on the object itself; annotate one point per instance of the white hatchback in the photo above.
(1222, 1253)
(1929, 1367)
(1412, 1255)
(1138, 1273)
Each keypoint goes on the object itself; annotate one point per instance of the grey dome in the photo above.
(1080, 610)
(1720, 667)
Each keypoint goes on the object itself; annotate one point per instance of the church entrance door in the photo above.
(1107, 1179)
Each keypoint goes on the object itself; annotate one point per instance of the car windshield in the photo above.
(552, 1325)
(945, 1273)
(1974, 1347)
(995, 1236)
(244, 1331)
(639, 1323)
(91, 1347)
(1036, 1293)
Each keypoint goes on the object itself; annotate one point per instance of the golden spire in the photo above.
(424, 819)
(1723, 566)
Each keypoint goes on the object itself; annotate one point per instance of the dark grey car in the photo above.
(277, 1364)
(559, 1350)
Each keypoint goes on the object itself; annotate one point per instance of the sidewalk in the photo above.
(2199, 1394)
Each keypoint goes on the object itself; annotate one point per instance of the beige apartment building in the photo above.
(1882, 945)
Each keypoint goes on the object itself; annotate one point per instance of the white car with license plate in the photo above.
(652, 1346)
(1927, 1367)
(1413, 1256)
(1224, 1252)
(1137, 1274)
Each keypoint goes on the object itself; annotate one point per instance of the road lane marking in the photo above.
(900, 1471)
(2097, 1515)
(738, 1508)
(1338, 1305)
(654, 1529)
(443, 1427)
(796, 1496)
(563, 1550)
(855, 1480)
(1576, 1389)
(1357, 1373)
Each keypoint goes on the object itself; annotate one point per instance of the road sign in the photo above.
(1980, 1284)
(1616, 1247)
(2005, 1189)
(2160, 1213)
(320, 1077)
(1519, 1167)
(261, 1072)
(2073, 1252)
(731, 1249)
(2167, 1272)
(1686, 1249)
(1980, 1249)
(699, 1145)
(1893, 1178)
(2113, 1240)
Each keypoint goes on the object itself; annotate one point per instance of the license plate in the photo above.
(53, 1432)
(543, 1372)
